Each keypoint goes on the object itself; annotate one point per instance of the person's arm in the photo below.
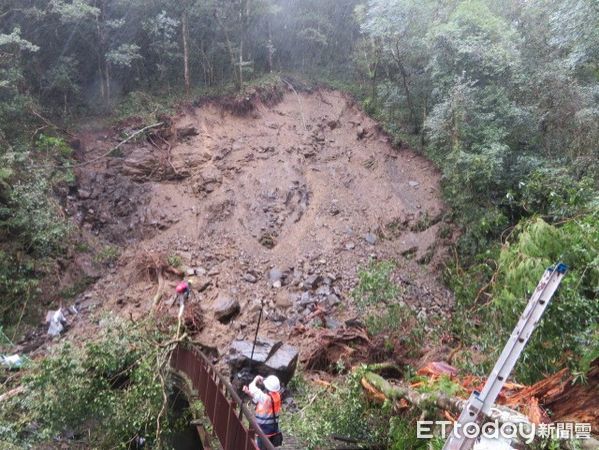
(257, 395)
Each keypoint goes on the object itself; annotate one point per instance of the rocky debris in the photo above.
(199, 283)
(207, 180)
(185, 132)
(313, 281)
(84, 194)
(250, 277)
(225, 308)
(269, 357)
(285, 300)
(370, 238)
(275, 275)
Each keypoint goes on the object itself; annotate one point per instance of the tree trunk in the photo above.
(381, 389)
(185, 35)
(404, 78)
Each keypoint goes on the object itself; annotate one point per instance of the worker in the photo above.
(183, 290)
(268, 407)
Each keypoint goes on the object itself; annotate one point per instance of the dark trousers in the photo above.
(260, 444)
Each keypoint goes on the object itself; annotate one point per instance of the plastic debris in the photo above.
(57, 322)
(12, 361)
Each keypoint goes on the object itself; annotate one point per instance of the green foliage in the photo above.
(402, 436)
(174, 261)
(568, 329)
(106, 392)
(108, 255)
(342, 410)
(375, 285)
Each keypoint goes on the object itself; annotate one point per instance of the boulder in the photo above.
(240, 352)
(270, 357)
(283, 362)
(225, 308)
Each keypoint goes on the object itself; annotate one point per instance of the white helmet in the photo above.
(272, 383)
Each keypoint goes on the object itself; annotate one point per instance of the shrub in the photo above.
(375, 285)
(106, 393)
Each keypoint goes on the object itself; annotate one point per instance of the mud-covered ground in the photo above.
(279, 205)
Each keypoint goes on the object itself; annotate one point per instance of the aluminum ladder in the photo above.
(479, 404)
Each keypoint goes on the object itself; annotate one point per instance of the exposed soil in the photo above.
(309, 187)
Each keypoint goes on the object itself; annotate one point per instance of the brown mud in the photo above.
(275, 202)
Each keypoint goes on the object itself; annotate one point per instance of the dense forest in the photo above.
(503, 96)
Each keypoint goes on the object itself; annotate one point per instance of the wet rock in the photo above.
(225, 308)
(370, 238)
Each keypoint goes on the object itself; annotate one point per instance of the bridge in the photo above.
(232, 422)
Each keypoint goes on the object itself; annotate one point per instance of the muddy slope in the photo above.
(280, 205)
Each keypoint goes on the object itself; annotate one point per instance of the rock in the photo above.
(285, 300)
(277, 284)
(313, 281)
(190, 272)
(269, 357)
(240, 352)
(207, 180)
(413, 183)
(306, 300)
(333, 324)
(323, 291)
(332, 300)
(184, 132)
(370, 238)
(225, 308)
(250, 278)
(275, 275)
(200, 283)
(84, 194)
(350, 246)
(283, 362)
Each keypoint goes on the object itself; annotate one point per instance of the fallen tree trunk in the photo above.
(10, 394)
(375, 384)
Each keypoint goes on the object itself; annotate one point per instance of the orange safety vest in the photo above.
(267, 416)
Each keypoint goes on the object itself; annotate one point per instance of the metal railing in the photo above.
(223, 407)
